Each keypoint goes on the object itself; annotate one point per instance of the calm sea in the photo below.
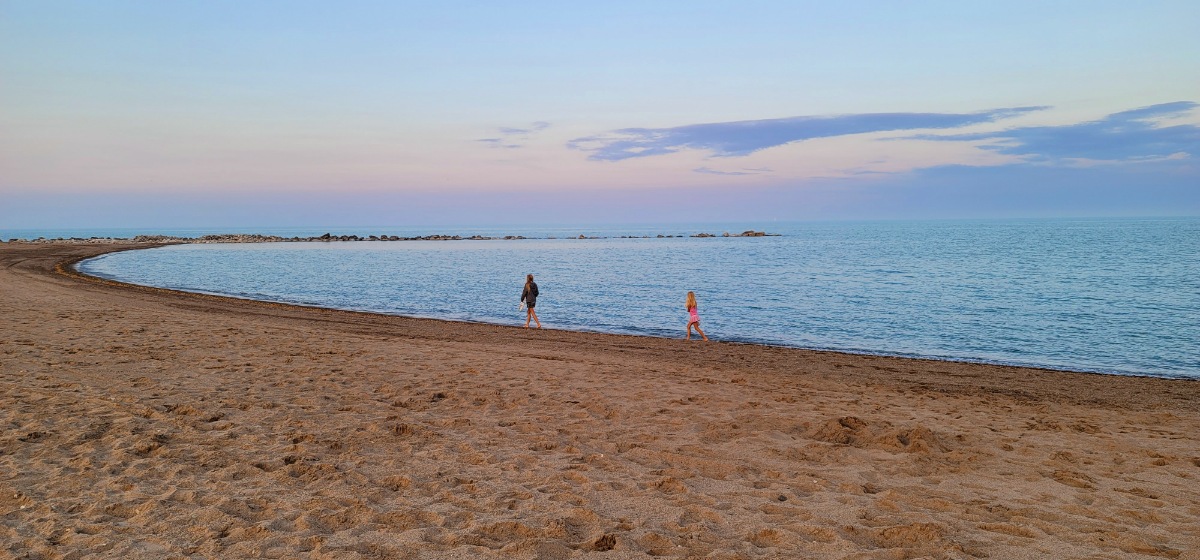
(1102, 295)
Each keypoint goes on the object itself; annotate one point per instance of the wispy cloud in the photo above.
(1134, 135)
(744, 171)
(742, 138)
(511, 137)
(535, 127)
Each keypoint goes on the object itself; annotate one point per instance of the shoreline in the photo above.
(69, 269)
(148, 423)
(66, 269)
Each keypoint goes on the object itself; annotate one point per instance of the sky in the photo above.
(213, 113)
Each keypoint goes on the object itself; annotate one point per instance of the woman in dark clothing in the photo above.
(529, 298)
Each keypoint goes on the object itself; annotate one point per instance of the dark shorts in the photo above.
(530, 304)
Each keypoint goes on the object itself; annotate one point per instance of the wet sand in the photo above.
(143, 423)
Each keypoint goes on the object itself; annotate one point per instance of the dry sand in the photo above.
(141, 423)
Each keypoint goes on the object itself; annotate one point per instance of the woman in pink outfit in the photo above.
(693, 317)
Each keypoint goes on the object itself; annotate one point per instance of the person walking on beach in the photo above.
(529, 298)
(693, 317)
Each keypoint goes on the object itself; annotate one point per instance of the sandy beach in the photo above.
(143, 423)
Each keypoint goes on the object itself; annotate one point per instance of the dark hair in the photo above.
(528, 279)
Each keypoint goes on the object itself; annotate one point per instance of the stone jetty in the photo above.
(329, 238)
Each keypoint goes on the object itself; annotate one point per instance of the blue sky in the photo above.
(213, 113)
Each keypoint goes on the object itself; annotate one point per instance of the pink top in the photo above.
(694, 315)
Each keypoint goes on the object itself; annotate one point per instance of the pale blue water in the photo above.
(1104, 295)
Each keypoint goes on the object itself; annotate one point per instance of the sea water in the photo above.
(1100, 295)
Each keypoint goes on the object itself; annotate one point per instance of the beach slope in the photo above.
(143, 423)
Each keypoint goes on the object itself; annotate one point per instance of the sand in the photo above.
(141, 423)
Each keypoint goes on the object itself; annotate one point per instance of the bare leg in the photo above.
(535, 318)
(528, 316)
(702, 335)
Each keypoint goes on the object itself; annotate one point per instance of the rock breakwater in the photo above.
(328, 237)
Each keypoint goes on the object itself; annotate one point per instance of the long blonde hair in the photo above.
(691, 300)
